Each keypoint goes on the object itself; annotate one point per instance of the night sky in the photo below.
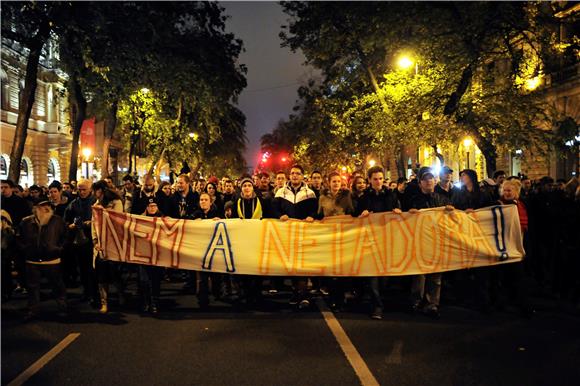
(274, 73)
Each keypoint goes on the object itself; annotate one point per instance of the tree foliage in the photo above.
(472, 64)
(180, 51)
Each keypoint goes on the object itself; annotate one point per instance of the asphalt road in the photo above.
(275, 345)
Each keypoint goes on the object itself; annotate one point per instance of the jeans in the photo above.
(426, 287)
(375, 287)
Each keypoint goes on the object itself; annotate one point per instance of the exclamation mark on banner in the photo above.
(499, 223)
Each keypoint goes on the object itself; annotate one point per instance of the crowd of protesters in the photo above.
(47, 232)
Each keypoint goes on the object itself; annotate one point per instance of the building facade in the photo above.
(48, 144)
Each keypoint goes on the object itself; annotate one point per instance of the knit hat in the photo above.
(246, 179)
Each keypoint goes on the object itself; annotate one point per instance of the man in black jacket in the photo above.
(185, 201)
(427, 299)
(16, 206)
(41, 238)
(183, 204)
(445, 186)
(78, 216)
(141, 198)
(377, 198)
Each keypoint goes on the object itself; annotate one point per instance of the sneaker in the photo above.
(104, 309)
(305, 303)
(377, 313)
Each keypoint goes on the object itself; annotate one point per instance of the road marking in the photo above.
(39, 364)
(396, 355)
(356, 361)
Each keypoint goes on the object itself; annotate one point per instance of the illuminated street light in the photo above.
(405, 62)
(532, 84)
(87, 153)
(372, 163)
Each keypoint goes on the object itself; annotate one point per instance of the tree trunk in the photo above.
(453, 102)
(78, 112)
(110, 124)
(27, 101)
(489, 152)
(154, 162)
(400, 162)
(438, 155)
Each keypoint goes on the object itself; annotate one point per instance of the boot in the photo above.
(103, 292)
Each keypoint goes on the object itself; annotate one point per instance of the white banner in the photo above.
(382, 244)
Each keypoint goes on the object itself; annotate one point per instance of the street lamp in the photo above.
(406, 62)
(87, 153)
(372, 163)
(467, 142)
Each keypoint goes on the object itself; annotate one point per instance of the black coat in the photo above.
(163, 202)
(140, 201)
(424, 201)
(475, 199)
(183, 207)
(200, 214)
(376, 202)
